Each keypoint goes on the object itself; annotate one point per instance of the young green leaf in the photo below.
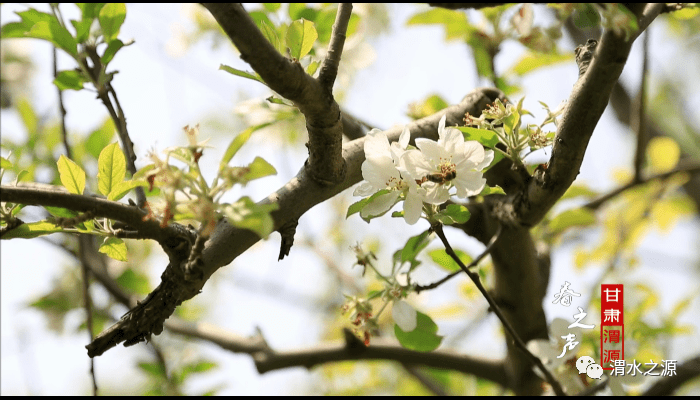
(114, 248)
(111, 168)
(423, 338)
(72, 176)
(112, 48)
(111, 18)
(32, 230)
(55, 33)
(441, 258)
(569, 218)
(243, 74)
(458, 213)
(70, 79)
(487, 190)
(415, 245)
(238, 142)
(122, 188)
(301, 36)
(484, 136)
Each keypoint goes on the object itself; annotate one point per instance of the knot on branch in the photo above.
(584, 55)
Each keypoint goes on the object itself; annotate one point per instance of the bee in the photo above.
(442, 178)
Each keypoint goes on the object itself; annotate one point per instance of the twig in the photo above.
(642, 135)
(329, 68)
(487, 250)
(437, 228)
(595, 204)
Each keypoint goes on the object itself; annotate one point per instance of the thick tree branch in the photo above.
(288, 78)
(228, 242)
(586, 104)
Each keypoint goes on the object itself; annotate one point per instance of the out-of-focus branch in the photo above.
(667, 385)
(640, 117)
(689, 168)
(352, 348)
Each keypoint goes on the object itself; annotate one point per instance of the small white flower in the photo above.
(405, 316)
(448, 162)
(382, 169)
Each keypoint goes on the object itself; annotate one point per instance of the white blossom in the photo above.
(382, 169)
(449, 162)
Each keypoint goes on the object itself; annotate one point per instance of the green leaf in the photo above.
(579, 189)
(243, 74)
(112, 48)
(415, 245)
(111, 18)
(272, 7)
(299, 10)
(111, 168)
(134, 282)
(313, 66)
(70, 79)
(61, 212)
(301, 36)
(271, 34)
(72, 176)
(5, 163)
(82, 29)
(533, 61)
(100, 138)
(32, 230)
(455, 23)
(55, 33)
(457, 213)
(424, 338)
(576, 217)
(121, 189)
(441, 258)
(484, 136)
(237, 143)
(487, 190)
(358, 206)
(275, 100)
(114, 248)
(260, 168)
(246, 214)
(29, 18)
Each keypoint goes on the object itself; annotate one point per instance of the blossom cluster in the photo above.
(425, 174)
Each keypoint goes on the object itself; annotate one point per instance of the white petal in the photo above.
(378, 171)
(441, 126)
(469, 183)
(435, 194)
(412, 207)
(376, 144)
(488, 159)
(365, 189)
(404, 138)
(405, 316)
(415, 163)
(431, 150)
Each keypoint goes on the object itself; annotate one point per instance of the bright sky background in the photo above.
(161, 93)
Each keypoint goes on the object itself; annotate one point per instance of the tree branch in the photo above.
(595, 204)
(267, 359)
(329, 68)
(288, 78)
(586, 104)
(667, 385)
(228, 242)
